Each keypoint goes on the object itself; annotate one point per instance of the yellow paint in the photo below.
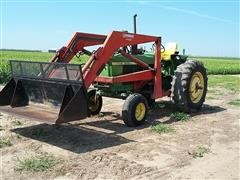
(170, 49)
(140, 111)
(196, 87)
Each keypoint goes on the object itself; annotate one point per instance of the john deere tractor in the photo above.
(117, 69)
(183, 80)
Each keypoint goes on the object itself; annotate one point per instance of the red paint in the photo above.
(110, 44)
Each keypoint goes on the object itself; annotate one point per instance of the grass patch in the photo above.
(17, 123)
(228, 82)
(199, 152)
(4, 142)
(235, 102)
(36, 164)
(39, 133)
(180, 116)
(162, 128)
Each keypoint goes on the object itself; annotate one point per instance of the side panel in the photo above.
(7, 93)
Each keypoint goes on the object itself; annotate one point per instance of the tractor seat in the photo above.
(170, 49)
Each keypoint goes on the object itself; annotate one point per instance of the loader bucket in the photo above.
(50, 92)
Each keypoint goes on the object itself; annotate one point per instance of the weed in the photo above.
(235, 102)
(4, 142)
(17, 123)
(199, 152)
(161, 128)
(36, 164)
(180, 116)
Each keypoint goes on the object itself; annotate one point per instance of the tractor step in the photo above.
(37, 90)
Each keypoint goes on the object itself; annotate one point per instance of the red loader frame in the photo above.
(69, 94)
(110, 44)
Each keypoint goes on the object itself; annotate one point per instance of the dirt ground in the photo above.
(102, 147)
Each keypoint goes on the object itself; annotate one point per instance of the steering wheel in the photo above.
(162, 48)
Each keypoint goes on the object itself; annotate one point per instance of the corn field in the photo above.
(214, 65)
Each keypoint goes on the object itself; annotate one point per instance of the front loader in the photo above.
(112, 70)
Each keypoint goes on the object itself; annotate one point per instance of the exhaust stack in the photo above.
(134, 47)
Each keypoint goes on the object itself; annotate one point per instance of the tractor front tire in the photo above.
(189, 86)
(94, 102)
(135, 110)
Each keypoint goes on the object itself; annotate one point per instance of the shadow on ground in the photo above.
(166, 108)
(100, 133)
(78, 138)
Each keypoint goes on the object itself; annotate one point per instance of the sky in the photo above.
(202, 27)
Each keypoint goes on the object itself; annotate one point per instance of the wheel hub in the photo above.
(140, 111)
(196, 87)
(93, 103)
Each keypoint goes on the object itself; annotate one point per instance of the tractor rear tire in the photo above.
(135, 110)
(94, 102)
(189, 86)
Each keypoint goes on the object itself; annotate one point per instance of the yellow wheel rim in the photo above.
(140, 111)
(196, 87)
(93, 103)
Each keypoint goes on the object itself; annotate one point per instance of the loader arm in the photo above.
(76, 44)
(113, 42)
(63, 85)
(98, 59)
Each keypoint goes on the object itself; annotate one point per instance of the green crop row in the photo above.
(221, 66)
(214, 65)
(5, 56)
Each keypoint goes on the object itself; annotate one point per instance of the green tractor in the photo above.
(112, 70)
(185, 81)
